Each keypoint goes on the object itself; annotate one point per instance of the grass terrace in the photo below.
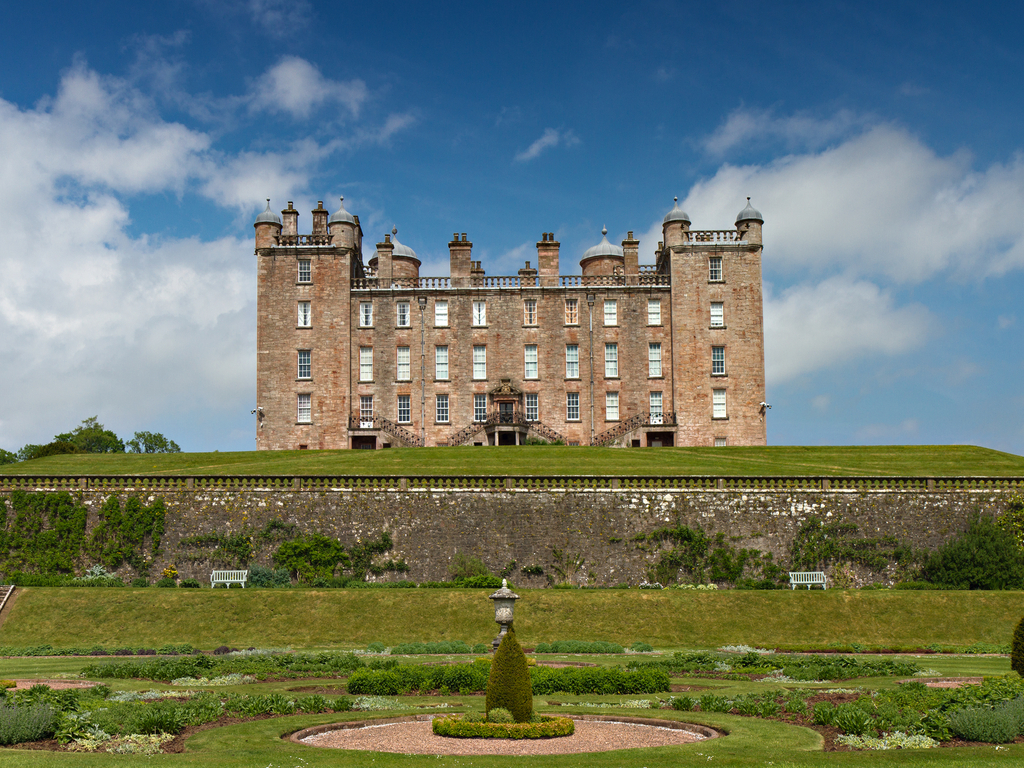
(834, 461)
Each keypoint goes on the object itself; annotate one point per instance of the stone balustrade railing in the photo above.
(714, 236)
(507, 282)
(303, 240)
(114, 483)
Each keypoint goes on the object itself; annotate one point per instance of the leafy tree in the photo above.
(982, 557)
(311, 557)
(6, 457)
(91, 437)
(151, 442)
(1012, 520)
(509, 686)
(1017, 649)
(466, 566)
(31, 451)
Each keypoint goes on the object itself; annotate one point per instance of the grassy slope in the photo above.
(677, 618)
(949, 460)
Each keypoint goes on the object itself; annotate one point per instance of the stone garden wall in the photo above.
(581, 535)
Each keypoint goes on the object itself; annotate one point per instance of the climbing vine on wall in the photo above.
(45, 533)
(819, 543)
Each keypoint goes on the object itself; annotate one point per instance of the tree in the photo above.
(1017, 649)
(151, 442)
(509, 686)
(6, 457)
(91, 437)
(983, 557)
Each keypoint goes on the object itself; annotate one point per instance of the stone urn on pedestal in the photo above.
(504, 606)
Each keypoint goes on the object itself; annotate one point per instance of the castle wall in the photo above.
(582, 536)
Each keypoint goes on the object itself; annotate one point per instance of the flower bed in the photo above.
(546, 728)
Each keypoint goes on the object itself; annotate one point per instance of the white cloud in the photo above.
(295, 86)
(549, 139)
(749, 127)
(879, 203)
(816, 326)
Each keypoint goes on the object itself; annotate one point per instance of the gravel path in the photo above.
(417, 738)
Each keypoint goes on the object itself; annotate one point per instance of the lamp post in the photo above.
(590, 303)
(504, 606)
(258, 413)
(422, 301)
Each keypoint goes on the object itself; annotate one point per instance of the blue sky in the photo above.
(881, 141)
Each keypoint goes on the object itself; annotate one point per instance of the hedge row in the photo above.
(460, 728)
(260, 666)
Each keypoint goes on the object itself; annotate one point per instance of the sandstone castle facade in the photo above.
(355, 353)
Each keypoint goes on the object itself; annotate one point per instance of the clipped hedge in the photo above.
(547, 728)
(578, 646)
(598, 680)
(509, 685)
(405, 678)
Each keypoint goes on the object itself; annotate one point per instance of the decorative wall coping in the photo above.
(503, 483)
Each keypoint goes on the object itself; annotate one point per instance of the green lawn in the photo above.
(307, 618)
(912, 460)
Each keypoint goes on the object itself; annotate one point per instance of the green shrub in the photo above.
(268, 578)
(467, 566)
(579, 646)
(500, 715)
(189, 584)
(342, 704)
(983, 557)
(682, 703)
(467, 727)
(641, 647)
(849, 718)
(509, 685)
(141, 581)
(997, 725)
(376, 647)
(1017, 649)
(598, 680)
(824, 713)
(711, 703)
(26, 723)
(166, 582)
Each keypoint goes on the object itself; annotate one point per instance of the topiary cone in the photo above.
(1017, 649)
(509, 684)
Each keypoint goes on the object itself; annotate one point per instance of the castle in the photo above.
(369, 354)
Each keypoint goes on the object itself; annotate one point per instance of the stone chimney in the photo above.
(547, 259)
(460, 252)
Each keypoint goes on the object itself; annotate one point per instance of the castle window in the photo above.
(366, 411)
(572, 361)
(656, 407)
(305, 315)
(480, 362)
(403, 371)
(718, 404)
(305, 364)
(718, 361)
(572, 406)
(721, 442)
(366, 314)
(715, 269)
(441, 410)
(654, 311)
(305, 271)
(611, 312)
(404, 409)
(441, 362)
(532, 407)
(717, 314)
(572, 311)
(530, 354)
(611, 361)
(479, 313)
(402, 314)
(530, 312)
(366, 363)
(654, 358)
(441, 313)
(304, 409)
(611, 406)
(479, 408)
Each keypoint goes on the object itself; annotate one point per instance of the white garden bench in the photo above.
(807, 579)
(227, 578)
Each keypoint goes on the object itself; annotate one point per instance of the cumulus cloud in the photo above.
(879, 203)
(751, 127)
(295, 86)
(549, 139)
(815, 326)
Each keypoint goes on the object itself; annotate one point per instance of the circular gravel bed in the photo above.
(413, 736)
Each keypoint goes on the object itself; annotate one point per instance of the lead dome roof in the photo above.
(341, 216)
(677, 213)
(604, 248)
(268, 216)
(750, 213)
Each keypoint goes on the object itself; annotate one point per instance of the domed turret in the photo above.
(268, 228)
(268, 216)
(749, 222)
(341, 216)
(342, 226)
(674, 225)
(750, 213)
(400, 249)
(604, 258)
(676, 214)
(400, 262)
